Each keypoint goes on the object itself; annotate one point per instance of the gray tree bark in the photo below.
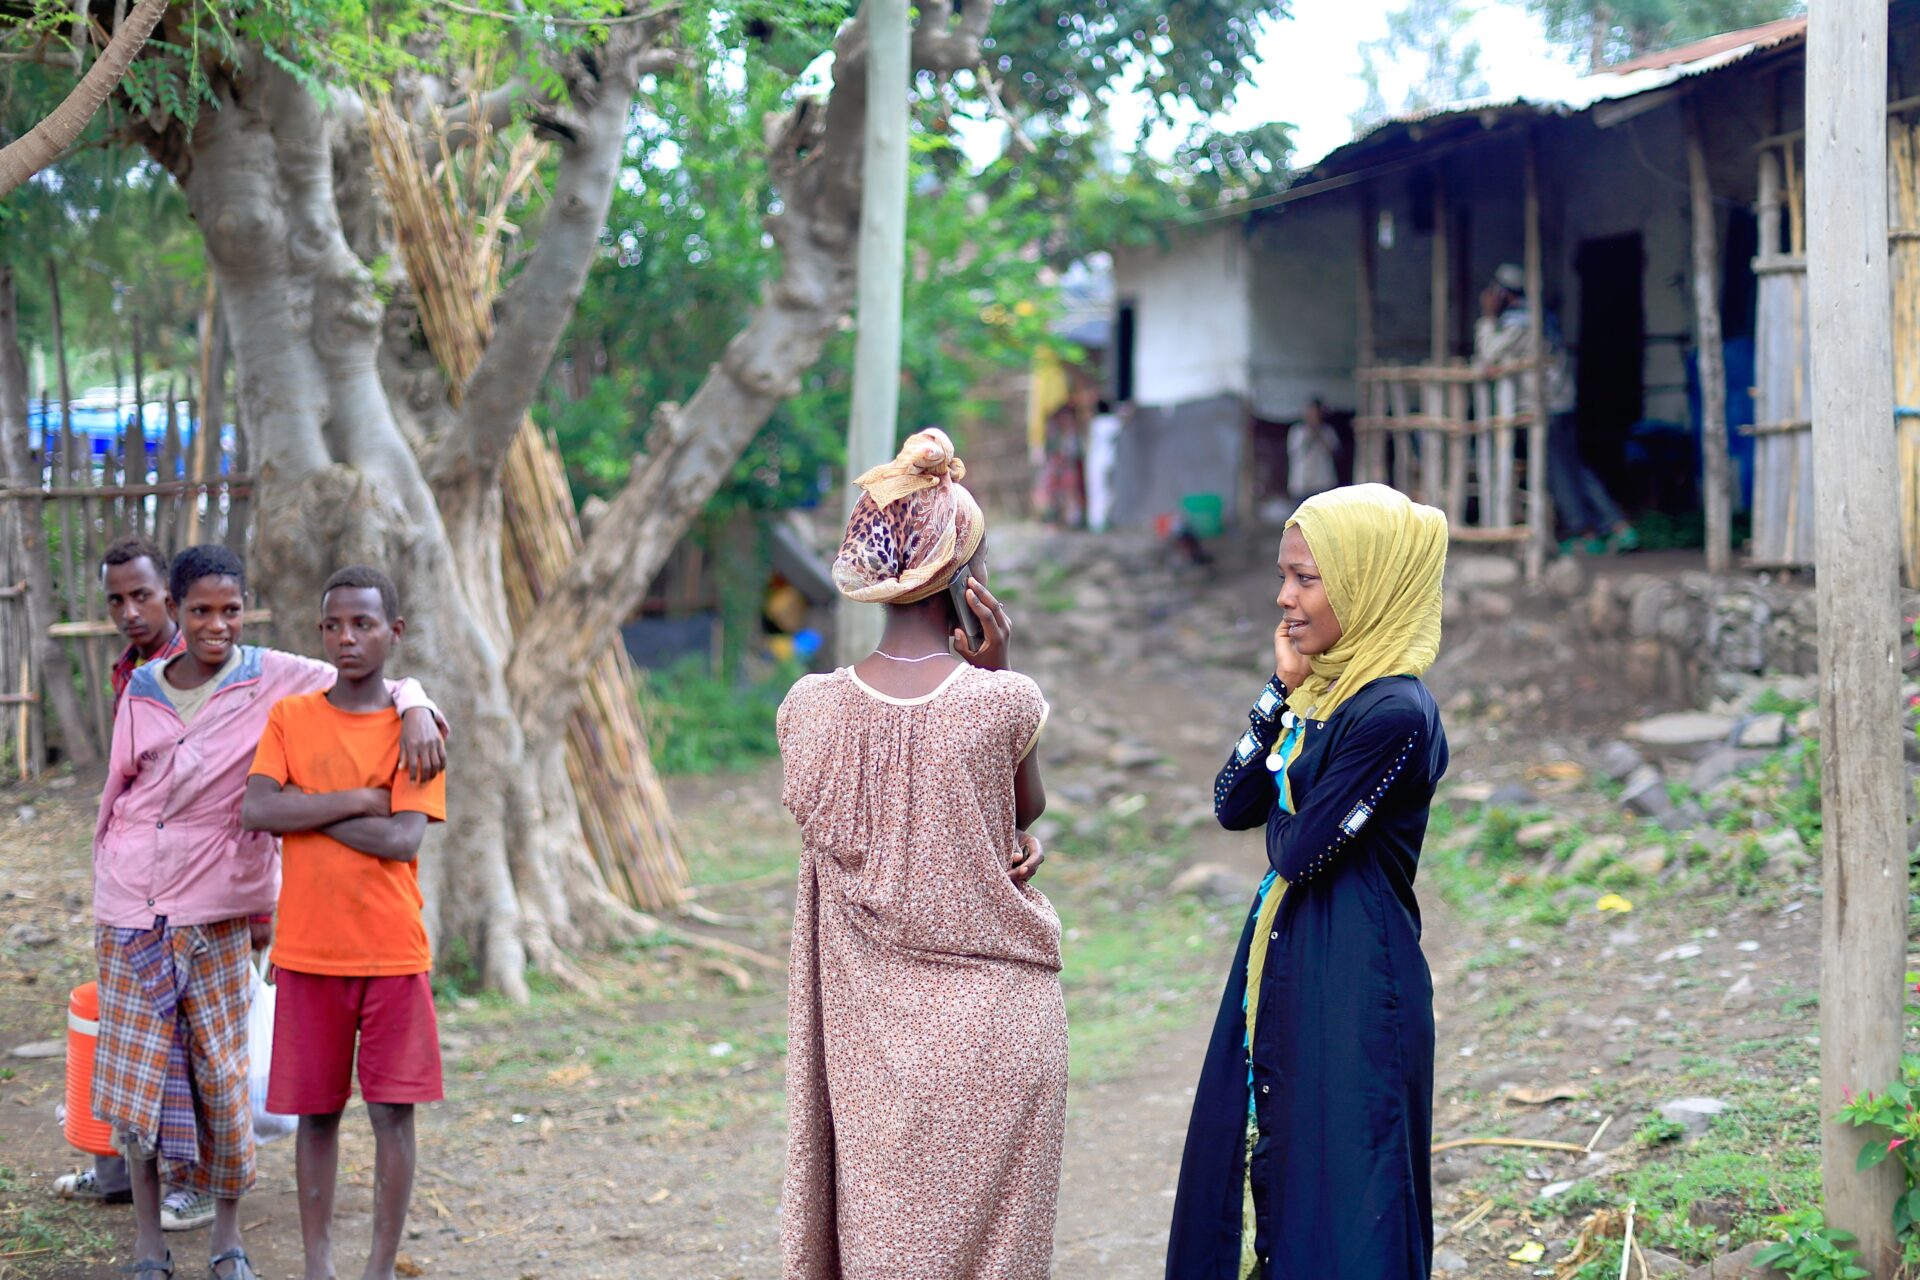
(364, 454)
(815, 151)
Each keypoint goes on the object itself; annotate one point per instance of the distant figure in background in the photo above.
(1103, 449)
(1060, 494)
(1312, 445)
(1582, 506)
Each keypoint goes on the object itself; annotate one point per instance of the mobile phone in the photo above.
(969, 620)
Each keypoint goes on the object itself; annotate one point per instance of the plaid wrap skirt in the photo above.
(170, 1072)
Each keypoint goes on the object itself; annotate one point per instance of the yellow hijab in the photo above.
(1381, 556)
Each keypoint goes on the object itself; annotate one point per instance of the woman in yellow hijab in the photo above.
(1307, 1154)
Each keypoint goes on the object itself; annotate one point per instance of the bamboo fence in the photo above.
(1783, 391)
(99, 480)
(449, 223)
(1903, 164)
(1783, 428)
(1449, 435)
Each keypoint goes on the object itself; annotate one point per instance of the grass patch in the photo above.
(1047, 589)
(1138, 961)
(701, 723)
(1759, 1159)
(36, 1235)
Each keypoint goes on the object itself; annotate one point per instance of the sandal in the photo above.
(165, 1269)
(242, 1266)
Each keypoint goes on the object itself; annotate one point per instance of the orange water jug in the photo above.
(84, 1131)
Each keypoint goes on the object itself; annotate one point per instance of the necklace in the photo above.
(882, 653)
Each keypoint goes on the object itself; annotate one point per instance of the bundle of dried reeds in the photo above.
(449, 223)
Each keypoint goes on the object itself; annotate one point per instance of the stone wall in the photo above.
(1671, 635)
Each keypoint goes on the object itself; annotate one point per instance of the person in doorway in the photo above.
(1307, 1153)
(1061, 486)
(1103, 451)
(927, 1034)
(178, 889)
(352, 964)
(1312, 446)
(1586, 513)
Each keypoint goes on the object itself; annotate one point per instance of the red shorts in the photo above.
(317, 1018)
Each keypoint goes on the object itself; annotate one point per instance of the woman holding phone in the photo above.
(1307, 1153)
(927, 1035)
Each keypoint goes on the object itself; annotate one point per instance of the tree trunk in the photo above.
(41, 145)
(338, 484)
(338, 421)
(49, 661)
(815, 155)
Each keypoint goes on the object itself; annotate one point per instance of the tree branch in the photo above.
(610, 21)
(40, 145)
(457, 131)
(815, 156)
(534, 311)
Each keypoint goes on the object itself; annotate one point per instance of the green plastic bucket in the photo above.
(1204, 514)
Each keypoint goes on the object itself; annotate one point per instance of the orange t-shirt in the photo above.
(343, 911)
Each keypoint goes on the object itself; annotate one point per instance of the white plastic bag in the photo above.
(266, 1125)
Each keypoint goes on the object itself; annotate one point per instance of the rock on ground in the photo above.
(1738, 1265)
(1682, 729)
(1693, 1113)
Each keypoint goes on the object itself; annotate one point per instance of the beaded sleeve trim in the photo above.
(1263, 725)
(1358, 815)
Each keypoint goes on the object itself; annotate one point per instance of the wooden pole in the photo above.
(205, 450)
(1857, 561)
(1434, 444)
(1711, 356)
(1539, 503)
(1370, 451)
(47, 671)
(134, 436)
(883, 251)
(76, 549)
(1441, 282)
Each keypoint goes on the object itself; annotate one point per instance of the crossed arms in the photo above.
(360, 819)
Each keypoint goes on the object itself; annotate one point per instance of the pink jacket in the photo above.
(169, 841)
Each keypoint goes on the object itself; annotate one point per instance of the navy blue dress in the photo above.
(1342, 1064)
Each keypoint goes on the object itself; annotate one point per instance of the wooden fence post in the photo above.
(1539, 492)
(16, 450)
(1857, 556)
(1711, 355)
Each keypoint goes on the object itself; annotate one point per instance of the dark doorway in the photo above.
(1608, 374)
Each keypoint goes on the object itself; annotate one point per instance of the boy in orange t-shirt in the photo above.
(351, 957)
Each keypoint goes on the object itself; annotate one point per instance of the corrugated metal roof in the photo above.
(1767, 35)
(1570, 94)
(1582, 92)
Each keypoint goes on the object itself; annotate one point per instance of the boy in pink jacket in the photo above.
(181, 890)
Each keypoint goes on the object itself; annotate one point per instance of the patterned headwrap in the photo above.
(913, 526)
(1381, 556)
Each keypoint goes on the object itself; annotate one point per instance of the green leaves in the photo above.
(1810, 1250)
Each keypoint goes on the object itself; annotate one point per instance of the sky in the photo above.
(1309, 74)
